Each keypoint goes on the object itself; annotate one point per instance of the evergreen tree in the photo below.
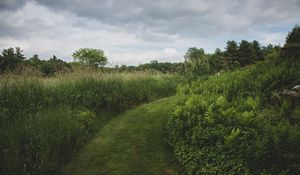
(231, 54)
(245, 53)
(217, 61)
(291, 48)
(293, 37)
(257, 51)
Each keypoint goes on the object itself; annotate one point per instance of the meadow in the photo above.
(44, 121)
(233, 112)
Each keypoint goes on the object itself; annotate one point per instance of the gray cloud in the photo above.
(132, 31)
(11, 4)
(189, 18)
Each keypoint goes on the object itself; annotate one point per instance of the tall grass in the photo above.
(44, 121)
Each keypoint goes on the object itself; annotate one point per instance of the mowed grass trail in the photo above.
(133, 143)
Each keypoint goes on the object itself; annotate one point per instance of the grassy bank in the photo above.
(44, 121)
(239, 122)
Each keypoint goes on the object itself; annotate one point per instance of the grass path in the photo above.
(131, 144)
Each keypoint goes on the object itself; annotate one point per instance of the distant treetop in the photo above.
(91, 57)
(293, 37)
(291, 48)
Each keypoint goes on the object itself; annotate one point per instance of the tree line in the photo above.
(12, 60)
(235, 56)
(154, 65)
(196, 62)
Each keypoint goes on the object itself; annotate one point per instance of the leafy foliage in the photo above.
(91, 57)
(48, 67)
(10, 58)
(196, 61)
(228, 125)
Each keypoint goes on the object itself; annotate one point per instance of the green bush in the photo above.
(228, 124)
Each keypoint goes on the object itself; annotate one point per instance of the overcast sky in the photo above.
(137, 31)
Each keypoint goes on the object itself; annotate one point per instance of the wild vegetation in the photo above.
(235, 112)
(240, 122)
(44, 121)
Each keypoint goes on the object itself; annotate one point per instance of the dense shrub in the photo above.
(229, 124)
(10, 58)
(44, 121)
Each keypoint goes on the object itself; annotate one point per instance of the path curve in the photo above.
(133, 143)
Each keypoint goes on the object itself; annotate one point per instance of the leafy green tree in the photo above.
(196, 61)
(154, 62)
(34, 60)
(91, 57)
(194, 54)
(10, 58)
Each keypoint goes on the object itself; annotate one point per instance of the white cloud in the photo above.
(170, 51)
(276, 38)
(62, 33)
(138, 31)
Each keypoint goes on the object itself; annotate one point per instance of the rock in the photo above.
(290, 93)
(295, 92)
(296, 89)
